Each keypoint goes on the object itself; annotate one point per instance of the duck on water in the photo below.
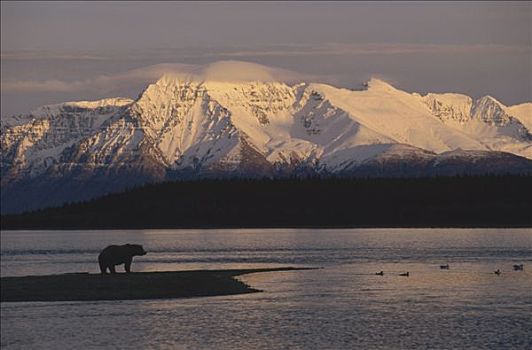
(519, 267)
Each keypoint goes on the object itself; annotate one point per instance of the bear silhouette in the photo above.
(117, 255)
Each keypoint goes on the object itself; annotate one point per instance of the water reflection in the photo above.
(340, 306)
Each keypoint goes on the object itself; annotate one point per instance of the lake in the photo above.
(342, 305)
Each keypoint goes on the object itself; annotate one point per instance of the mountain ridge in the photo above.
(201, 124)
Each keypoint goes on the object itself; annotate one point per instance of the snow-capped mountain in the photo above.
(205, 123)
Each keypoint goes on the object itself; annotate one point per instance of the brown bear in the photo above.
(119, 254)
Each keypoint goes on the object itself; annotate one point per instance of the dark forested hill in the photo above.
(401, 202)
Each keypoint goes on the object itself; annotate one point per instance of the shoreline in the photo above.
(132, 286)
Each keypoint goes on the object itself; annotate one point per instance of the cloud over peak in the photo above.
(230, 71)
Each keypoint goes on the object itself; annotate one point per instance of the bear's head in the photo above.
(136, 249)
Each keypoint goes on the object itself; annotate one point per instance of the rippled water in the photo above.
(343, 305)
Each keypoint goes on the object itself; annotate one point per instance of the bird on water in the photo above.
(519, 267)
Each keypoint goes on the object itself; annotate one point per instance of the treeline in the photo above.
(484, 201)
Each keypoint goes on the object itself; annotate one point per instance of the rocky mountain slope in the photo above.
(204, 124)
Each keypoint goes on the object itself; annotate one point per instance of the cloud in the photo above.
(107, 82)
(141, 76)
(35, 86)
(372, 49)
(220, 71)
(45, 55)
(331, 48)
(236, 71)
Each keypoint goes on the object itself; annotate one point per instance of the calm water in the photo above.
(341, 306)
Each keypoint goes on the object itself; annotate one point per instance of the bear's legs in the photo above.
(112, 268)
(103, 268)
(127, 265)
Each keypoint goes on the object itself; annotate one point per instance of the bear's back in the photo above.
(115, 253)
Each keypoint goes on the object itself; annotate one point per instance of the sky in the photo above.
(62, 51)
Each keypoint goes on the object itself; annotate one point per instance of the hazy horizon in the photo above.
(56, 52)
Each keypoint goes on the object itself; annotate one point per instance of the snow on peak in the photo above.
(490, 111)
(523, 113)
(490, 100)
(199, 115)
(103, 106)
(104, 103)
(449, 107)
(450, 98)
(379, 84)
